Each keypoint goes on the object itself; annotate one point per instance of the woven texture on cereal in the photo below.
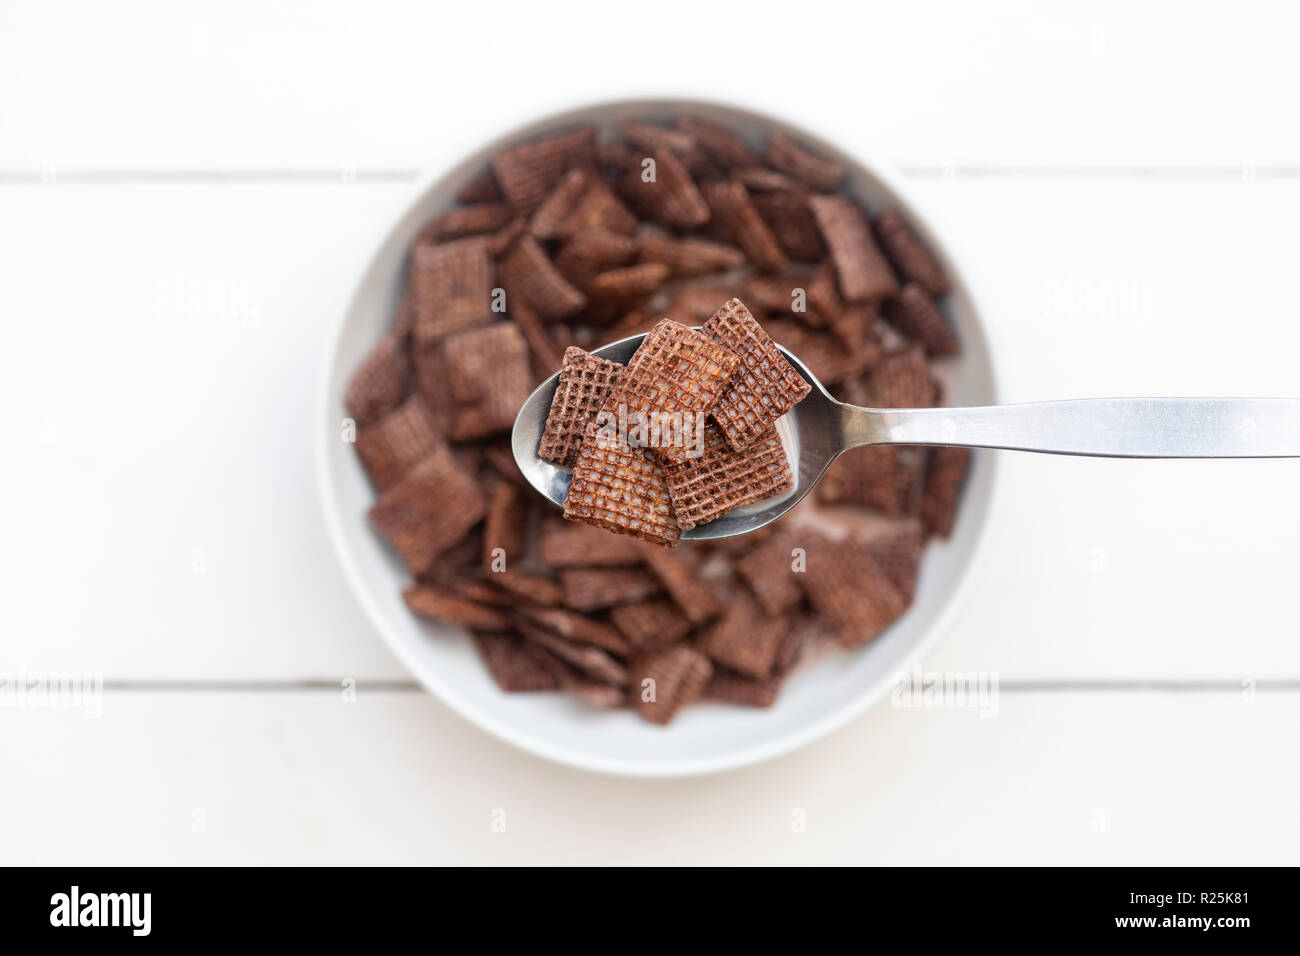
(584, 385)
(745, 639)
(490, 378)
(724, 147)
(449, 608)
(769, 570)
(722, 478)
(909, 255)
(398, 442)
(451, 287)
(567, 545)
(740, 222)
(675, 370)
(620, 489)
(380, 384)
(429, 510)
(915, 315)
(861, 268)
(526, 173)
(820, 174)
(851, 592)
(527, 272)
(944, 478)
(665, 681)
(764, 386)
(590, 589)
(647, 623)
(514, 666)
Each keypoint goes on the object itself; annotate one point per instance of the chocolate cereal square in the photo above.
(909, 254)
(528, 273)
(579, 627)
(854, 596)
(567, 545)
(745, 639)
(915, 315)
(515, 666)
(451, 287)
(680, 573)
(590, 589)
(394, 445)
(664, 681)
(722, 478)
(901, 380)
(380, 384)
(648, 623)
(597, 209)
(862, 270)
(869, 477)
(429, 510)
(769, 570)
(727, 687)
(739, 221)
(764, 386)
(489, 376)
(944, 477)
(823, 175)
(676, 373)
(620, 489)
(505, 528)
(671, 197)
(450, 608)
(527, 173)
(583, 387)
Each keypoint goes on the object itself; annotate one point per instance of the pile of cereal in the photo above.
(570, 242)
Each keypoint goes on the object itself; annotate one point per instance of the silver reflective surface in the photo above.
(808, 432)
(819, 429)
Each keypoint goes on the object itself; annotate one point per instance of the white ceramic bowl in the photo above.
(704, 737)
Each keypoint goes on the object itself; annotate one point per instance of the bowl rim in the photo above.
(331, 505)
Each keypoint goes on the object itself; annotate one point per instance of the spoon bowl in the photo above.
(807, 432)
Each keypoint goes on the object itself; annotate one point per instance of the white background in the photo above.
(185, 201)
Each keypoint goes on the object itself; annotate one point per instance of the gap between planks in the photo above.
(410, 686)
(920, 171)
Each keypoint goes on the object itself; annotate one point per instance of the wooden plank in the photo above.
(318, 86)
(163, 356)
(1082, 778)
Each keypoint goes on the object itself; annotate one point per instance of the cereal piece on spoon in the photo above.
(722, 478)
(620, 489)
(764, 387)
(585, 383)
(675, 377)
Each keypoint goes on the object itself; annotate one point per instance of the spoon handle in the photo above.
(1106, 427)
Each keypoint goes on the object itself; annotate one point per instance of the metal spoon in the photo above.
(820, 429)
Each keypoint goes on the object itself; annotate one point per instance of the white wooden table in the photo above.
(185, 201)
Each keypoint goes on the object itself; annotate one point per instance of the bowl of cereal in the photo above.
(634, 653)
